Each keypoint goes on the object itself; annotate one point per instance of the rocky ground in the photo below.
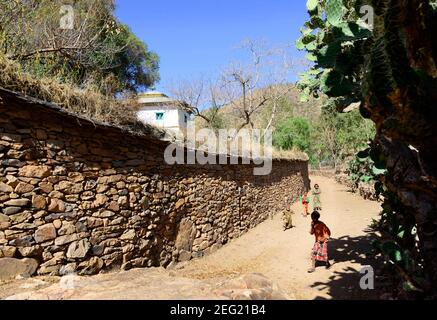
(265, 263)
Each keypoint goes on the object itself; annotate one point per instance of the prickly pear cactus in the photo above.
(389, 67)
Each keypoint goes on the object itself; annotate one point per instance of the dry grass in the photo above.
(87, 102)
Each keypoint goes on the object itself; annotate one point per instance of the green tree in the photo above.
(98, 51)
(292, 133)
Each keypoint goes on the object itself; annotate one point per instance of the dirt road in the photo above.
(281, 256)
(284, 256)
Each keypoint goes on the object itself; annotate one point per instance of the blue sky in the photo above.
(198, 37)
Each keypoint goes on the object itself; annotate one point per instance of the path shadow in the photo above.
(345, 284)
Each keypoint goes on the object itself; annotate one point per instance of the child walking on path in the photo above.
(305, 199)
(316, 198)
(320, 249)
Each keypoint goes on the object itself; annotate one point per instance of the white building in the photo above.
(159, 110)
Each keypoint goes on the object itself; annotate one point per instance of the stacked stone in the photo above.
(80, 199)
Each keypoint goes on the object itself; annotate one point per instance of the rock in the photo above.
(113, 206)
(72, 198)
(13, 162)
(49, 270)
(120, 185)
(56, 216)
(10, 137)
(68, 269)
(67, 228)
(94, 222)
(26, 241)
(60, 171)
(17, 202)
(179, 204)
(98, 250)
(23, 188)
(102, 188)
(45, 233)
(56, 195)
(41, 134)
(184, 256)
(110, 179)
(186, 235)
(5, 188)
(104, 214)
(92, 266)
(128, 248)
(21, 217)
(101, 199)
(35, 171)
(55, 144)
(4, 225)
(5, 222)
(203, 245)
(59, 241)
(90, 184)
(39, 202)
(35, 251)
(11, 268)
(11, 210)
(8, 251)
(56, 205)
(123, 201)
(79, 249)
(252, 286)
(12, 181)
(70, 188)
(46, 187)
(57, 224)
(128, 235)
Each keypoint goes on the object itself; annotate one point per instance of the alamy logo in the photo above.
(368, 17)
(367, 281)
(67, 17)
(224, 146)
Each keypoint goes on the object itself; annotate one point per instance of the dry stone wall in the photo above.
(82, 197)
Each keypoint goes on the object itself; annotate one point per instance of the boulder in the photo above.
(186, 235)
(253, 286)
(11, 268)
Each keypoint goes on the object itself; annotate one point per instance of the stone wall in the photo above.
(76, 196)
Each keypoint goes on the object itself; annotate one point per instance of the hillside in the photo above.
(290, 105)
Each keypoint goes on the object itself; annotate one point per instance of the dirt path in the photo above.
(281, 256)
(284, 256)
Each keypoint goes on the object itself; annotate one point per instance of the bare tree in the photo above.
(252, 86)
(202, 98)
(247, 88)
